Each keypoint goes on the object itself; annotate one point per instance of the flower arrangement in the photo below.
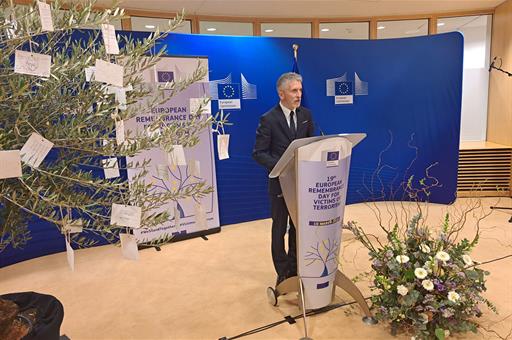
(425, 284)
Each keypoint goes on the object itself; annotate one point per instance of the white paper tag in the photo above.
(12, 26)
(121, 98)
(109, 73)
(109, 38)
(35, 150)
(177, 156)
(10, 164)
(34, 64)
(126, 215)
(194, 106)
(89, 73)
(120, 138)
(45, 14)
(200, 216)
(177, 217)
(194, 168)
(70, 252)
(73, 226)
(110, 167)
(223, 146)
(162, 171)
(129, 246)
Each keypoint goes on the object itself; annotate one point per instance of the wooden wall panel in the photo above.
(499, 123)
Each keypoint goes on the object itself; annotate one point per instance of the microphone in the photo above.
(492, 64)
(319, 128)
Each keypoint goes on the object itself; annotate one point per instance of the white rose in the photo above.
(420, 273)
(453, 296)
(402, 258)
(402, 290)
(424, 248)
(467, 260)
(442, 256)
(424, 317)
(427, 284)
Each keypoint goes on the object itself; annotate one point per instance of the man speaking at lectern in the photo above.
(277, 129)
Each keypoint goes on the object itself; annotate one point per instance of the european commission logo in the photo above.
(230, 94)
(343, 89)
(333, 158)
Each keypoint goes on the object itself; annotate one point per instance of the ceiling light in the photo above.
(325, 29)
(150, 26)
(269, 30)
(381, 27)
(440, 24)
(211, 29)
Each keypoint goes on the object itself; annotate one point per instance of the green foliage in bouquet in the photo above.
(425, 283)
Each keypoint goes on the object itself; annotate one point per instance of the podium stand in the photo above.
(313, 173)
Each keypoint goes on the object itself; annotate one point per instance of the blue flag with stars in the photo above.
(229, 91)
(343, 88)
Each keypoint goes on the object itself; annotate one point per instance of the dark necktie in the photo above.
(292, 124)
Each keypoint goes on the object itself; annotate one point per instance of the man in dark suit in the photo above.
(277, 129)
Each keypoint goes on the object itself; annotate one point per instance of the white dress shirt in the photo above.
(286, 112)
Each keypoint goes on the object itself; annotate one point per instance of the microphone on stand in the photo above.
(492, 64)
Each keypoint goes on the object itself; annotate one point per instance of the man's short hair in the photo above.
(287, 77)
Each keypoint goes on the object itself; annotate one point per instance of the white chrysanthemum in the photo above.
(427, 284)
(402, 290)
(453, 296)
(443, 256)
(467, 260)
(420, 273)
(428, 266)
(424, 248)
(402, 258)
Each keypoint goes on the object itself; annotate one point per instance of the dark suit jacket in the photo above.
(273, 137)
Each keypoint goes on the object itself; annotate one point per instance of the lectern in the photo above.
(313, 173)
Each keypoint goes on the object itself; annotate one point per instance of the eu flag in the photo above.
(165, 76)
(229, 91)
(343, 88)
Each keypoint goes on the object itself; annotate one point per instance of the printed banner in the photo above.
(323, 169)
(184, 166)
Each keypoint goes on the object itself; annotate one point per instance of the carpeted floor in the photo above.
(199, 289)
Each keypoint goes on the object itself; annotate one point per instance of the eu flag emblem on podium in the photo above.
(343, 92)
(229, 96)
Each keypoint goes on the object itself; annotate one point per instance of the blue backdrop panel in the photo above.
(414, 90)
(414, 99)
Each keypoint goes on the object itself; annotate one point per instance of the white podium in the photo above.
(313, 173)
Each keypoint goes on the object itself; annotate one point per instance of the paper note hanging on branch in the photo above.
(70, 253)
(34, 64)
(109, 73)
(45, 14)
(120, 138)
(10, 161)
(110, 167)
(35, 150)
(89, 73)
(177, 217)
(126, 215)
(73, 226)
(129, 247)
(109, 38)
(194, 168)
(176, 156)
(223, 146)
(200, 215)
(162, 171)
(196, 102)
